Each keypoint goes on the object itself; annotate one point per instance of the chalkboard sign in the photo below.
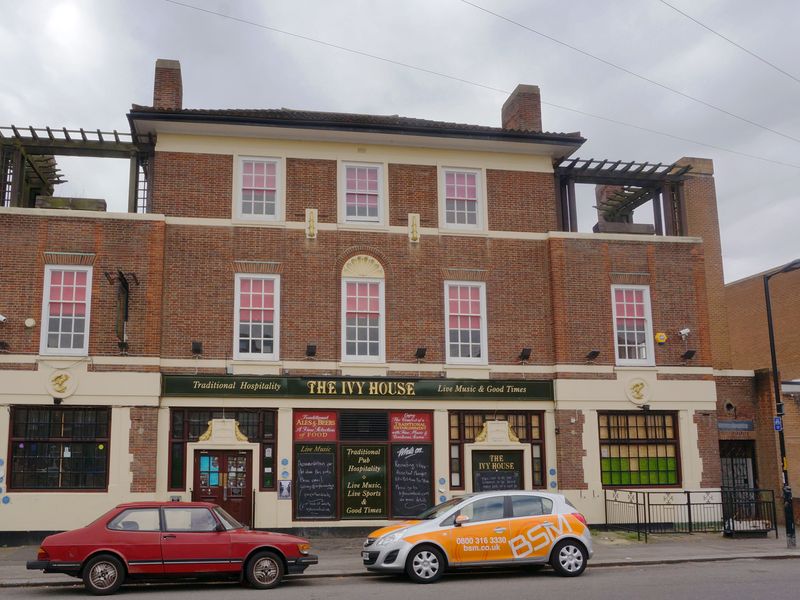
(494, 470)
(412, 479)
(364, 482)
(315, 481)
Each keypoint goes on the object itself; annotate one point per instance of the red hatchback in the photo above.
(157, 540)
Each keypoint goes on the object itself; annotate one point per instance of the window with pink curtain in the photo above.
(461, 197)
(362, 319)
(67, 305)
(259, 187)
(361, 193)
(631, 323)
(257, 316)
(464, 321)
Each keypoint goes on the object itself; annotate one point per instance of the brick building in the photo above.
(322, 319)
(747, 317)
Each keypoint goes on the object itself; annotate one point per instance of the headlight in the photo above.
(390, 538)
(303, 548)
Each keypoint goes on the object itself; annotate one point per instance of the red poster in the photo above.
(315, 426)
(410, 427)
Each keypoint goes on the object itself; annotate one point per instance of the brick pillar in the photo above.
(701, 215)
(168, 85)
(142, 445)
(708, 448)
(523, 109)
(570, 450)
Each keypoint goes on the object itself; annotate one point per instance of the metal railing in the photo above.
(729, 511)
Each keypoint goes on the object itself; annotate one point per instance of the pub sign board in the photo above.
(351, 387)
(495, 470)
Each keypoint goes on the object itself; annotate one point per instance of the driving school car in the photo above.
(484, 529)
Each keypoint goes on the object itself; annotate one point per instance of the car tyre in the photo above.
(103, 574)
(264, 570)
(569, 558)
(425, 564)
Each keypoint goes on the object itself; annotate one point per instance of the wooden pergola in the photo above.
(633, 184)
(28, 160)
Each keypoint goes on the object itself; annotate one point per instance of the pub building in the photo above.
(333, 320)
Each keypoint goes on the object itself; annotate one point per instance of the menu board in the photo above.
(364, 482)
(315, 481)
(412, 480)
(496, 470)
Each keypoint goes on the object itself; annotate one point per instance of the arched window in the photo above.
(363, 311)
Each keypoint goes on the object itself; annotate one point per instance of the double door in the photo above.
(225, 477)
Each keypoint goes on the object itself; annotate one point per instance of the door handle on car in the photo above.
(499, 529)
(168, 536)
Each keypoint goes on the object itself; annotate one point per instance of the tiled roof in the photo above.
(331, 120)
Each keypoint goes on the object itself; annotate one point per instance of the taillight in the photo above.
(580, 517)
(42, 554)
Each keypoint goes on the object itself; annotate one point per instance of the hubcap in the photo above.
(265, 570)
(103, 575)
(570, 558)
(425, 564)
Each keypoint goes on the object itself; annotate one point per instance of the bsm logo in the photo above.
(539, 536)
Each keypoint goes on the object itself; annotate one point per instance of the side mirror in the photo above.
(460, 520)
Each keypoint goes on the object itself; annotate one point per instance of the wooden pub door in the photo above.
(225, 477)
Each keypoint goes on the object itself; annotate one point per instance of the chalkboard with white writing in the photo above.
(412, 479)
(315, 481)
(494, 470)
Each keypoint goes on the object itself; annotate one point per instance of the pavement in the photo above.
(340, 557)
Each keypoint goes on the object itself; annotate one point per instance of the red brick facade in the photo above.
(708, 447)
(569, 429)
(143, 445)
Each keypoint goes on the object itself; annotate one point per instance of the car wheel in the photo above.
(425, 564)
(103, 574)
(264, 570)
(569, 558)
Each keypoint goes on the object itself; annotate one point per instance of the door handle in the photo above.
(547, 524)
(168, 537)
(499, 529)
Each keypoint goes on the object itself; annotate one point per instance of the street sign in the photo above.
(777, 423)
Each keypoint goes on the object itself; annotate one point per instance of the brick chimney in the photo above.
(523, 109)
(168, 87)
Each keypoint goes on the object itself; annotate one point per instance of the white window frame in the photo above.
(383, 195)
(650, 361)
(480, 182)
(280, 190)
(276, 324)
(349, 358)
(45, 322)
(483, 359)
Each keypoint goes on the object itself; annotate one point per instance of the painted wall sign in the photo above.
(364, 482)
(496, 470)
(315, 426)
(346, 387)
(410, 427)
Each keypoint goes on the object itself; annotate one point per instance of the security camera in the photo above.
(3, 318)
(684, 332)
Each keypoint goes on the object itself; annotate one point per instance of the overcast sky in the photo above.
(81, 63)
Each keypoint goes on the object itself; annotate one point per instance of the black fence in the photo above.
(729, 511)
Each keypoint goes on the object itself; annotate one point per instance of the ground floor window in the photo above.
(639, 448)
(59, 448)
(526, 425)
(188, 424)
(362, 464)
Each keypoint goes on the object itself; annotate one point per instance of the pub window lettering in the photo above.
(54, 448)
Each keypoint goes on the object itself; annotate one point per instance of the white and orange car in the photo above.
(484, 529)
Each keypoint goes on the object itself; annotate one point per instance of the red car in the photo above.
(156, 540)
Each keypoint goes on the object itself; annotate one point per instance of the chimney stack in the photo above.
(168, 86)
(523, 109)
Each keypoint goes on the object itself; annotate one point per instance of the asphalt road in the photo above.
(728, 580)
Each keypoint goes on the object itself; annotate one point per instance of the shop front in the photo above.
(310, 452)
